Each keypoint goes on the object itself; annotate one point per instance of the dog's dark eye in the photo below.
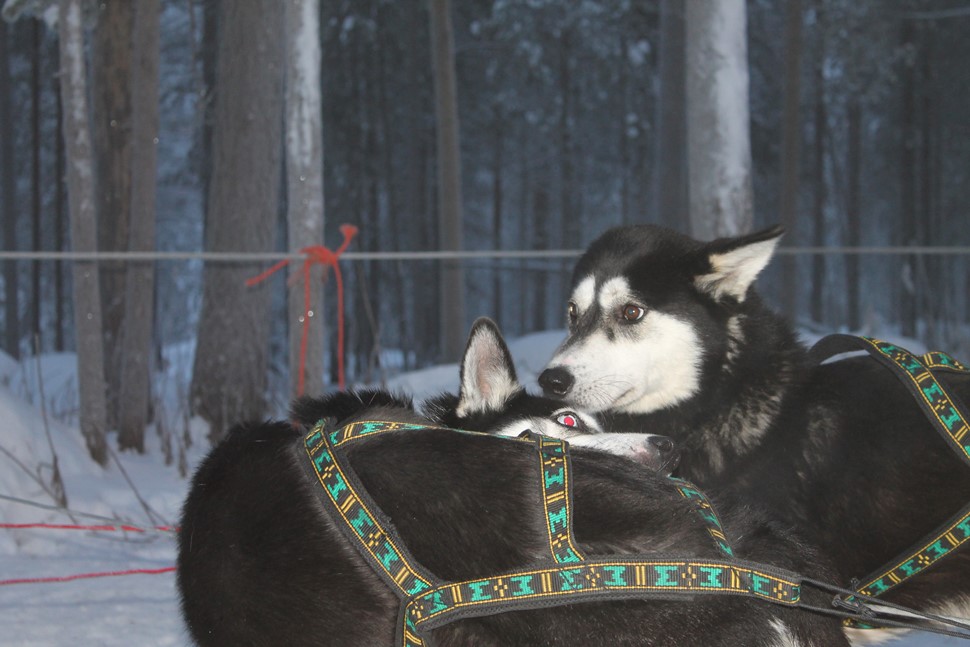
(632, 312)
(571, 312)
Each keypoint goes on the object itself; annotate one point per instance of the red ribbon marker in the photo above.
(85, 576)
(318, 255)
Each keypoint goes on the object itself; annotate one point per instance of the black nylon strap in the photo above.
(360, 520)
(614, 577)
(949, 418)
(555, 479)
(427, 602)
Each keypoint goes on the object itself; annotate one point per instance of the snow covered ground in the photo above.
(139, 609)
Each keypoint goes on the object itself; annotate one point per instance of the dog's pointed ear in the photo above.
(487, 373)
(732, 264)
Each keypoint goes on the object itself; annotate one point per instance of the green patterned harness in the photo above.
(949, 417)
(568, 576)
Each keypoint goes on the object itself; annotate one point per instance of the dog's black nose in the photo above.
(667, 453)
(663, 444)
(556, 381)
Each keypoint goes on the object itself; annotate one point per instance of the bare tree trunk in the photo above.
(84, 230)
(8, 206)
(452, 313)
(304, 174)
(852, 208)
(229, 375)
(623, 109)
(791, 149)
(718, 140)
(60, 216)
(670, 164)
(136, 367)
(111, 97)
(908, 179)
(821, 194)
(540, 240)
(36, 93)
(498, 197)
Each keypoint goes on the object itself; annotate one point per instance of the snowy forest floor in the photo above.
(140, 609)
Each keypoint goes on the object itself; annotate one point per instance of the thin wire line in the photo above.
(246, 257)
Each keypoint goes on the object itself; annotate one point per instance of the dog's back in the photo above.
(261, 564)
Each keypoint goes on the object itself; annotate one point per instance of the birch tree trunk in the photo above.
(304, 177)
(718, 132)
(84, 230)
(452, 313)
(111, 120)
(136, 365)
(229, 374)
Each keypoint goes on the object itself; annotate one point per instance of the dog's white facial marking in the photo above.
(584, 293)
(614, 293)
(653, 364)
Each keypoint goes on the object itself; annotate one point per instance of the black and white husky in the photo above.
(667, 334)
(260, 563)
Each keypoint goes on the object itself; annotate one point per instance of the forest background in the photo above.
(222, 137)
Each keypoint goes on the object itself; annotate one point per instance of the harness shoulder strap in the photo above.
(360, 520)
(703, 507)
(944, 540)
(949, 417)
(557, 496)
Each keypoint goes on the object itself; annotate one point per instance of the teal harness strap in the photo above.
(943, 541)
(359, 518)
(428, 602)
(557, 496)
(706, 512)
(949, 417)
(616, 577)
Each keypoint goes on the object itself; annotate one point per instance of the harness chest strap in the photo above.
(949, 417)
(427, 602)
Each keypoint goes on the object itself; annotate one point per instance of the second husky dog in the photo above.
(264, 561)
(668, 334)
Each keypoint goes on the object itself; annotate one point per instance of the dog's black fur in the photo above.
(840, 450)
(260, 563)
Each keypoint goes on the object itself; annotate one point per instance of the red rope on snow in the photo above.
(100, 528)
(85, 576)
(318, 255)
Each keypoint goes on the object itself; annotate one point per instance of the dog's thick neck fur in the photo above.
(719, 423)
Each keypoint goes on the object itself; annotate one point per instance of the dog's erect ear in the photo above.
(734, 263)
(487, 373)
